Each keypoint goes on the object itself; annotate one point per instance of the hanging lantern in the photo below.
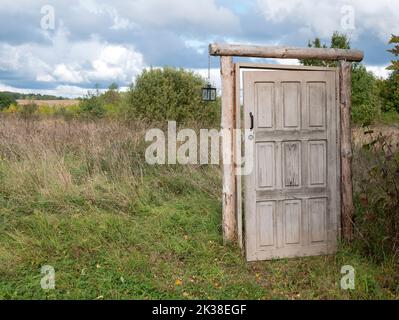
(208, 93)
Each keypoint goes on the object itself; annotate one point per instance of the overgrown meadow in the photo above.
(77, 194)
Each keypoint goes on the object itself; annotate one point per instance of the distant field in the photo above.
(52, 103)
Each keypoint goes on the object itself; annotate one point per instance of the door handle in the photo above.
(252, 120)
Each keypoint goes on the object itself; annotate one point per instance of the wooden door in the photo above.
(292, 195)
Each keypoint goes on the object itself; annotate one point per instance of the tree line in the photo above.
(373, 98)
(167, 93)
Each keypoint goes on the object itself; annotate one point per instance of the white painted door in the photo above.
(292, 204)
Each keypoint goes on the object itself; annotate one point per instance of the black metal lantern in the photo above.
(208, 93)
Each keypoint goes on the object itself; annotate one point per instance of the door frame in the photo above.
(344, 58)
(239, 124)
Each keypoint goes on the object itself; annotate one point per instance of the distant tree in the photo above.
(113, 86)
(338, 41)
(390, 90)
(316, 43)
(395, 51)
(366, 102)
(112, 96)
(6, 99)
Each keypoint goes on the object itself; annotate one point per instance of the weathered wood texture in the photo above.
(238, 156)
(227, 126)
(217, 49)
(347, 210)
(292, 194)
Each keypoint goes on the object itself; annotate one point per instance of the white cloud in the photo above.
(193, 14)
(379, 71)
(322, 17)
(199, 46)
(72, 62)
(205, 14)
(64, 73)
(214, 76)
(44, 78)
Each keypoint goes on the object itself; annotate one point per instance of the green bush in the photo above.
(366, 103)
(112, 96)
(92, 105)
(28, 111)
(390, 91)
(171, 94)
(6, 99)
(68, 112)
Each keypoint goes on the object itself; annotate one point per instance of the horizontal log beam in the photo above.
(217, 49)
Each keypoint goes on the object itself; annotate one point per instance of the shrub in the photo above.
(170, 94)
(92, 106)
(27, 111)
(377, 197)
(6, 99)
(13, 108)
(390, 92)
(112, 96)
(68, 112)
(366, 103)
(46, 110)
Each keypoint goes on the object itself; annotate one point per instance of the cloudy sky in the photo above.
(100, 41)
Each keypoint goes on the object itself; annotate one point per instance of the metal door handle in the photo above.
(252, 121)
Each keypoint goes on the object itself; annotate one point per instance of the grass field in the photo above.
(50, 103)
(78, 196)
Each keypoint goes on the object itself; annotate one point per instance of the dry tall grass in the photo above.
(78, 195)
(98, 160)
(362, 136)
(376, 188)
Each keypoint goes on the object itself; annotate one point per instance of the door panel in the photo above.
(291, 105)
(292, 195)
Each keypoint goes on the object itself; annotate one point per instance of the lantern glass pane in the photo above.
(208, 94)
(205, 94)
(213, 94)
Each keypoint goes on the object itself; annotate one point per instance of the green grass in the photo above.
(391, 117)
(168, 251)
(122, 231)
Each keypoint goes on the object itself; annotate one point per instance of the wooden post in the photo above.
(227, 126)
(347, 207)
